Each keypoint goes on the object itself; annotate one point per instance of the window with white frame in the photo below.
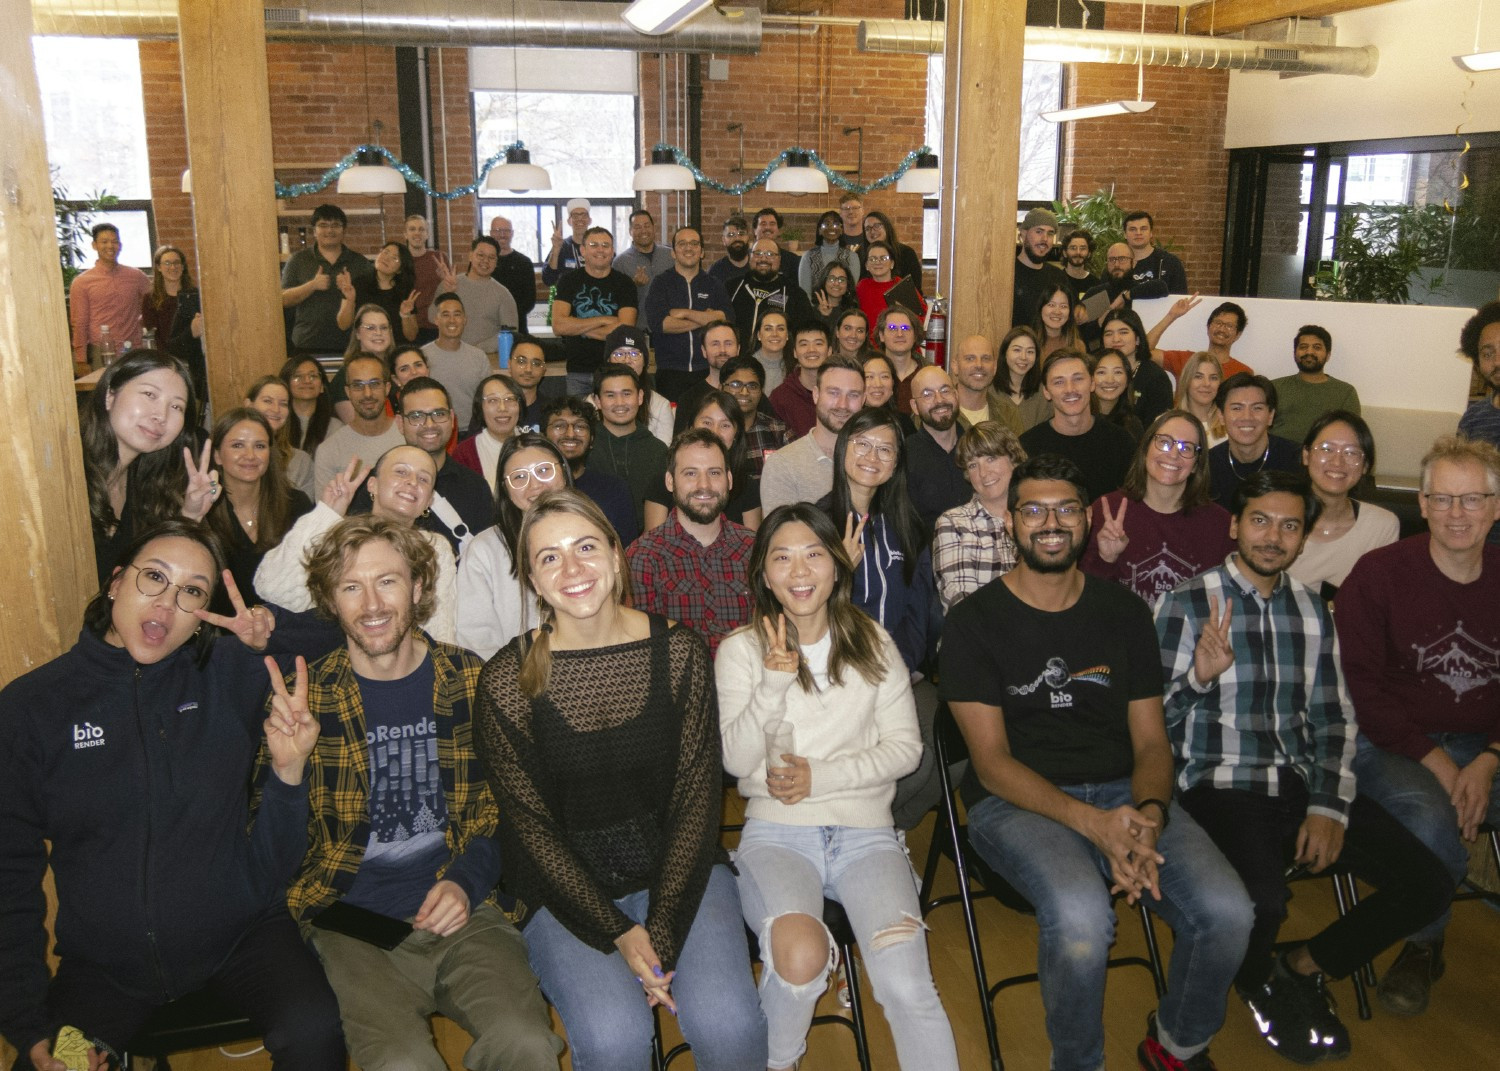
(576, 113)
(95, 119)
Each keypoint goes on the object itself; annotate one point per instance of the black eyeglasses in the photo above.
(151, 582)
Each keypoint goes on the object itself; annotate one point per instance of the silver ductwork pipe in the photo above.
(418, 23)
(1156, 49)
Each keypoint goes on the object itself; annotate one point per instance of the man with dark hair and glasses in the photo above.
(1055, 680)
(462, 503)
(1419, 625)
(1264, 736)
(570, 423)
(766, 287)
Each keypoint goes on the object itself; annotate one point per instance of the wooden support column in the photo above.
(228, 97)
(47, 569)
(980, 164)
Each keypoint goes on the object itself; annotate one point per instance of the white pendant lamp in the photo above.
(797, 176)
(518, 174)
(922, 177)
(663, 174)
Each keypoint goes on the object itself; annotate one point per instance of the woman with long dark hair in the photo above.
(140, 457)
(1113, 396)
(1122, 330)
(716, 411)
(907, 265)
(1338, 453)
(494, 607)
(1019, 378)
(258, 506)
(599, 735)
(171, 279)
(128, 771)
(312, 418)
(851, 334)
(813, 667)
(392, 286)
(883, 534)
(880, 382)
(1161, 527)
(497, 409)
(834, 293)
(1053, 322)
(270, 397)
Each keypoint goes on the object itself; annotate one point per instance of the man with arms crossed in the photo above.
(1055, 680)
(403, 822)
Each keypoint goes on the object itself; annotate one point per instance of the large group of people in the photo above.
(414, 690)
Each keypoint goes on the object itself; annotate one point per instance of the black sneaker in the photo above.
(1154, 1057)
(1408, 983)
(1297, 1016)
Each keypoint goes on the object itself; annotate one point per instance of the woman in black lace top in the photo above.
(599, 734)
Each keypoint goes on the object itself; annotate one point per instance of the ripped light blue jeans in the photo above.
(785, 869)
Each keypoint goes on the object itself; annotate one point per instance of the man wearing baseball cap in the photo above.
(567, 253)
(1036, 275)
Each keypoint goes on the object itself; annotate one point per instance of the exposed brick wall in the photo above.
(319, 111)
(840, 87)
(1169, 161)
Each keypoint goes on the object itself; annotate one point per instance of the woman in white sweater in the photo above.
(819, 817)
(494, 605)
(400, 486)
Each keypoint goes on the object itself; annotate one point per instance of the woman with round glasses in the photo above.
(312, 419)
(880, 276)
(128, 770)
(494, 606)
(392, 286)
(883, 535)
(1197, 387)
(906, 264)
(497, 410)
(1161, 527)
(1338, 453)
(372, 335)
(818, 815)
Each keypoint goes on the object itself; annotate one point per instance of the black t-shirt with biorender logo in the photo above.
(1064, 681)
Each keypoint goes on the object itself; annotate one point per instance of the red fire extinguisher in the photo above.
(935, 330)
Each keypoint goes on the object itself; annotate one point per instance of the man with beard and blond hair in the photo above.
(803, 470)
(404, 823)
(692, 567)
(1054, 678)
(933, 478)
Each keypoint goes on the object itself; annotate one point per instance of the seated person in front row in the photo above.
(132, 818)
(1419, 625)
(1055, 680)
(414, 838)
(1261, 724)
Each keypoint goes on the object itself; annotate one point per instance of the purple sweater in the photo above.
(1164, 549)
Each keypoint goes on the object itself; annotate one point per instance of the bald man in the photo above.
(974, 369)
(1119, 262)
(933, 478)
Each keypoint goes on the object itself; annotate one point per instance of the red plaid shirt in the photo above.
(674, 575)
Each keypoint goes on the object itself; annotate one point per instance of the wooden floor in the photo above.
(1460, 1031)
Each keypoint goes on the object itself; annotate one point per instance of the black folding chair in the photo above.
(950, 839)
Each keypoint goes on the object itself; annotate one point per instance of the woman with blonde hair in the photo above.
(1197, 386)
(598, 733)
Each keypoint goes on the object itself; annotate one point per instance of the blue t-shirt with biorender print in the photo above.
(408, 809)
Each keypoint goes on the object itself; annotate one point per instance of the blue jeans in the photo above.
(1067, 880)
(786, 869)
(1410, 792)
(603, 1007)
